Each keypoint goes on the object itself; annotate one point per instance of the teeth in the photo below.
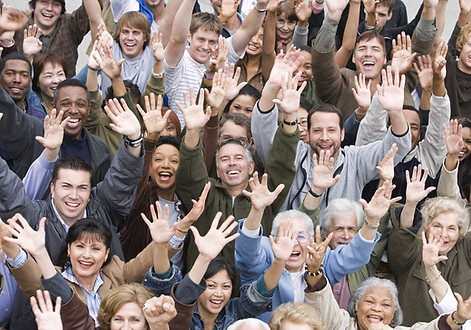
(74, 121)
(85, 263)
(217, 302)
(233, 172)
(130, 45)
(72, 204)
(166, 174)
(368, 63)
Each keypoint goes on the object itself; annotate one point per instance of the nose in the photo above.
(126, 326)
(73, 193)
(165, 162)
(17, 77)
(324, 136)
(205, 44)
(345, 233)
(49, 5)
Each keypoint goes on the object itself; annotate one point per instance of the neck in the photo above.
(44, 30)
(232, 23)
(88, 282)
(47, 101)
(209, 319)
(254, 60)
(167, 194)
(21, 104)
(157, 11)
(236, 190)
(463, 68)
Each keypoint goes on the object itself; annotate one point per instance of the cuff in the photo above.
(378, 235)
(319, 285)
(250, 233)
(19, 260)
(164, 276)
(262, 289)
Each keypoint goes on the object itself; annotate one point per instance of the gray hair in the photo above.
(249, 324)
(292, 214)
(236, 141)
(367, 285)
(338, 208)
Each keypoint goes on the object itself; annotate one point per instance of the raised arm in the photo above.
(95, 19)
(350, 35)
(167, 20)
(180, 29)
(269, 38)
(425, 72)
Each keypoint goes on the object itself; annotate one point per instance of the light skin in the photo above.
(216, 296)
(284, 27)
(302, 125)
(131, 41)
(446, 226)
(46, 14)
(325, 133)
(243, 104)
(51, 75)
(344, 228)
(464, 62)
(231, 130)
(254, 48)
(129, 316)
(288, 325)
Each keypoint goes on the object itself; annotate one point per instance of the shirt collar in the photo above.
(66, 227)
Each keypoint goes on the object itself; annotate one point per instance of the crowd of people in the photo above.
(274, 164)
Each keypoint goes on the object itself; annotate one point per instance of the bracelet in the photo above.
(208, 76)
(133, 143)
(369, 225)
(157, 75)
(314, 194)
(290, 123)
(433, 280)
(260, 10)
(319, 271)
(181, 231)
(92, 68)
(454, 320)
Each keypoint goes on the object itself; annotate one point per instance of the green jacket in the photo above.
(192, 176)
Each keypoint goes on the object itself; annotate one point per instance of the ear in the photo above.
(52, 189)
(68, 250)
(342, 134)
(249, 144)
(389, 15)
(106, 254)
(251, 167)
(190, 36)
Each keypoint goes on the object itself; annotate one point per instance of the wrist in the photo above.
(457, 319)
(316, 192)
(372, 223)
(302, 24)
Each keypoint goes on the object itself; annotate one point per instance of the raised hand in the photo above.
(30, 240)
(316, 251)
(463, 312)
(53, 130)
(153, 120)
(12, 19)
(439, 61)
(31, 43)
(283, 65)
(215, 98)
(104, 36)
(214, 241)
(232, 82)
(92, 63)
(430, 249)
(362, 92)
(47, 317)
(303, 10)
(123, 120)
(403, 56)
(196, 210)
(218, 55)
(335, 8)
(379, 204)
(290, 93)
(193, 113)
(391, 92)
(274, 6)
(322, 173)
(157, 46)
(260, 196)
(285, 240)
(416, 191)
(425, 72)
(159, 228)
(454, 140)
(159, 311)
(465, 5)
(107, 63)
(386, 166)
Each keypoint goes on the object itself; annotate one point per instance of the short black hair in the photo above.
(32, 4)
(71, 163)
(411, 108)
(168, 140)
(130, 86)
(325, 107)
(220, 263)
(15, 56)
(71, 82)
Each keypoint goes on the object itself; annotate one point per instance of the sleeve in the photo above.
(448, 304)
(184, 310)
(251, 302)
(96, 111)
(452, 41)
(210, 142)
(300, 36)
(251, 257)
(347, 259)
(188, 292)
(77, 23)
(135, 270)
(350, 126)
(38, 177)
(154, 85)
(232, 56)
(264, 126)
(448, 183)
(117, 190)
(28, 277)
(160, 285)
(374, 126)
(74, 315)
(432, 149)
(57, 287)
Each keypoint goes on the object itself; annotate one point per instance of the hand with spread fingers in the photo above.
(282, 245)
(154, 122)
(53, 134)
(47, 316)
(416, 191)
(260, 195)
(386, 166)
(403, 57)
(160, 230)
(316, 251)
(124, 121)
(425, 72)
(31, 43)
(193, 113)
(323, 172)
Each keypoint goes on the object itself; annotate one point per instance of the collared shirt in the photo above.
(93, 298)
(299, 284)
(44, 38)
(66, 227)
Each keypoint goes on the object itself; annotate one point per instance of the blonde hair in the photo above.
(117, 298)
(433, 207)
(296, 313)
(205, 21)
(462, 38)
(134, 20)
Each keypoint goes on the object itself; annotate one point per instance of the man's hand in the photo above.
(316, 251)
(386, 166)
(454, 140)
(379, 204)
(291, 95)
(47, 317)
(104, 36)
(274, 6)
(159, 228)
(439, 61)
(53, 134)
(303, 12)
(403, 56)
(425, 72)
(157, 46)
(283, 65)
(260, 195)
(218, 56)
(193, 113)
(362, 93)
(335, 8)
(31, 43)
(107, 63)
(123, 119)
(153, 120)
(285, 240)
(391, 92)
(12, 19)
(416, 191)
(465, 5)
(322, 173)
(216, 97)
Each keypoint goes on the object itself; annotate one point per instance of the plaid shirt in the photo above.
(66, 37)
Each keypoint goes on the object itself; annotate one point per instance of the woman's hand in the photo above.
(416, 191)
(159, 311)
(31, 43)
(214, 241)
(53, 134)
(47, 317)
(193, 113)
(362, 93)
(322, 173)
(285, 240)
(260, 196)
(430, 249)
(386, 166)
(290, 92)
(159, 228)
(30, 240)
(316, 251)
(197, 209)
(154, 122)
(124, 121)
(379, 203)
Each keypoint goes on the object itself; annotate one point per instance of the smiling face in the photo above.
(369, 58)
(445, 225)
(15, 79)
(131, 41)
(73, 100)
(51, 75)
(466, 150)
(375, 306)
(164, 165)
(284, 27)
(129, 317)
(413, 119)
(71, 194)
(231, 130)
(217, 294)
(344, 228)
(46, 14)
(464, 59)
(87, 255)
(297, 259)
(243, 104)
(233, 167)
(202, 42)
(302, 125)
(254, 47)
(305, 67)
(325, 133)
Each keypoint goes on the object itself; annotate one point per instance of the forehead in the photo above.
(16, 65)
(305, 57)
(72, 92)
(412, 117)
(90, 238)
(348, 219)
(380, 292)
(231, 149)
(298, 224)
(466, 133)
(77, 177)
(232, 129)
(445, 219)
(52, 66)
(245, 99)
(373, 42)
(382, 9)
(127, 28)
(130, 309)
(54, 2)
(325, 119)
(206, 34)
(221, 276)
(167, 149)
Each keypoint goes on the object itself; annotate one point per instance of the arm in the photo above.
(373, 127)
(178, 39)
(31, 43)
(350, 35)
(448, 180)
(269, 38)
(93, 9)
(167, 20)
(425, 74)
(303, 11)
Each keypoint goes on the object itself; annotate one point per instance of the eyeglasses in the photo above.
(302, 122)
(303, 237)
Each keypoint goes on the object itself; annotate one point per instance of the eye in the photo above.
(227, 287)
(211, 286)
